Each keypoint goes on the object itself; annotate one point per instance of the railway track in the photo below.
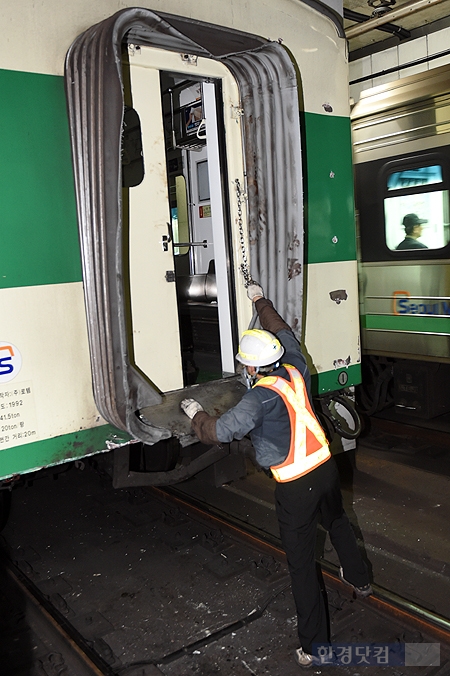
(383, 600)
(211, 597)
(36, 637)
(433, 432)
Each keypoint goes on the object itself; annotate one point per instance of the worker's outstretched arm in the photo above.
(269, 317)
(271, 321)
(203, 424)
(204, 427)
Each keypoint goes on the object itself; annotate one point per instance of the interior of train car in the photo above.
(190, 232)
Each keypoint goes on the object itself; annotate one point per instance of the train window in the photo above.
(409, 178)
(419, 221)
(132, 159)
(203, 181)
(416, 208)
(180, 219)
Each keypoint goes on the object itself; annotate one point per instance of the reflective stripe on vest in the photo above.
(309, 446)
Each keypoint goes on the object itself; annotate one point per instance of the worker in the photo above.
(290, 444)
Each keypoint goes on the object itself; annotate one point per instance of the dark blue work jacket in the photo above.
(262, 412)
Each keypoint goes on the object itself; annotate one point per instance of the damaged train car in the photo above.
(154, 162)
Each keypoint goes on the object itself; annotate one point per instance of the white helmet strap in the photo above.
(250, 379)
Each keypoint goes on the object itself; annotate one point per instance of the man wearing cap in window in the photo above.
(413, 230)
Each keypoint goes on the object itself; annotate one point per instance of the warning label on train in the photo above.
(18, 424)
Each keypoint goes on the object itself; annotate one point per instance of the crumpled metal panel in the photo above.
(269, 98)
(95, 103)
(94, 90)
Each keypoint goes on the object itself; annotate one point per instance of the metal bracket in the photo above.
(204, 244)
(166, 239)
(189, 58)
(123, 477)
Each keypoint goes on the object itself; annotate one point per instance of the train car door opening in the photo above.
(179, 254)
(185, 159)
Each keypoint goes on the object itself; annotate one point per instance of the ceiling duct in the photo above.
(404, 10)
(400, 32)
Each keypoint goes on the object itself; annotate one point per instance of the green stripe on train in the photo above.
(37, 202)
(414, 323)
(61, 449)
(330, 381)
(328, 186)
(37, 205)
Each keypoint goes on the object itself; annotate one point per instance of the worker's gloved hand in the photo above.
(254, 290)
(190, 407)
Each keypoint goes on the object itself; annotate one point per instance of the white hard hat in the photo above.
(259, 348)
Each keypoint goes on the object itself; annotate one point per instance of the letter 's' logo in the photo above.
(10, 362)
(400, 302)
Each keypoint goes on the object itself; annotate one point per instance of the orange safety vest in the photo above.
(309, 446)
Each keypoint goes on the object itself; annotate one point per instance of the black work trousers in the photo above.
(300, 504)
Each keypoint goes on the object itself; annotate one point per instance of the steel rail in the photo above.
(383, 600)
(427, 434)
(53, 628)
(82, 659)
